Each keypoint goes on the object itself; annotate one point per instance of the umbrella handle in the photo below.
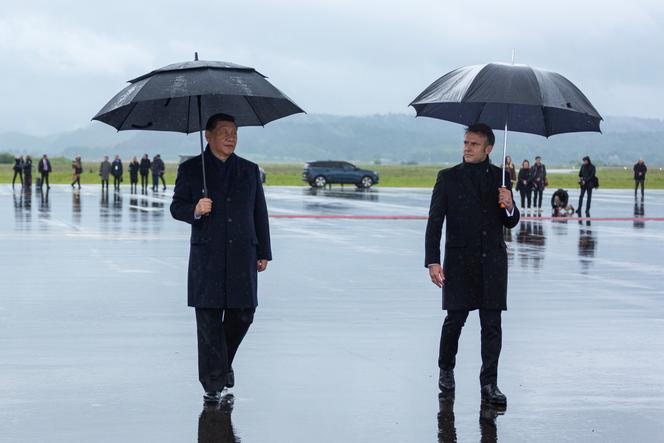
(502, 205)
(200, 134)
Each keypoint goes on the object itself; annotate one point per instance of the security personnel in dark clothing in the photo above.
(116, 172)
(587, 181)
(230, 243)
(640, 170)
(473, 275)
(144, 169)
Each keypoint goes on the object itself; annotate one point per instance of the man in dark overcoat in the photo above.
(473, 274)
(230, 244)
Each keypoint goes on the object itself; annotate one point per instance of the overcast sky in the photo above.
(61, 61)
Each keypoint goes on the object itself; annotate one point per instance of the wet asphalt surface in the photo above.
(97, 343)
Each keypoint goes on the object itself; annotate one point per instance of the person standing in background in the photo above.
(76, 171)
(525, 184)
(640, 170)
(27, 172)
(18, 170)
(116, 171)
(133, 174)
(158, 169)
(45, 169)
(145, 168)
(538, 174)
(587, 181)
(511, 169)
(104, 172)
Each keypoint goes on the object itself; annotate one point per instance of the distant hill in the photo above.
(390, 138)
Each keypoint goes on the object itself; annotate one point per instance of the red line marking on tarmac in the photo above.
(424, 217)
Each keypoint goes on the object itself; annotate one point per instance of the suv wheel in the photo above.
(320, 181)
(366, 182)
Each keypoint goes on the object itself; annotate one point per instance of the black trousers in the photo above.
(590, 196)
(44, 179)
(492, 339)
(144, 181)
(117, 179)
(636, 186)
(20, 175)
(525, 195)
(220, 332)
(104, 184)
(155, 181)
(537, 197)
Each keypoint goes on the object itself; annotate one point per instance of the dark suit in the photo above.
(225, 248)
(475, 262)
(44, 168)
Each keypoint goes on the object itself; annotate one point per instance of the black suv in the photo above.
(321, 173)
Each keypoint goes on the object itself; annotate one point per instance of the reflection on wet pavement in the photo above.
(98, 344)
(215, 424)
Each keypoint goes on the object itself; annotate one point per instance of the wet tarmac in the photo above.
(97, 343)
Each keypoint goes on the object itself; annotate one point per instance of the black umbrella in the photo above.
(509, 96)
(182, 96)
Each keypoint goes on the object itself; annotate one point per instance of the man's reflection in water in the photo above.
(76, 207)
(587, 245)
(488, 415)
(531, 240)
(22, 211)
(639, 212)
(215, 425)
(103, 210)
(446, 429)
(447, 432)
(117, 210)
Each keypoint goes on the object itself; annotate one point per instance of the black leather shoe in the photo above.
(446, 382)
(491, 394)
(212, 397)
(230, 379)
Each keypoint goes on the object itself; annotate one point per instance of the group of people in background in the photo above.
(530, 181)
(23, 171)
(144, 169)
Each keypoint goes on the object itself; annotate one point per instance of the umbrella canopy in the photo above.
(182, 97)
(167, 99)
(518, 97)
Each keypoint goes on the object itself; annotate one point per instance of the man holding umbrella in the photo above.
(230, 244)
(218, 193)
(473, 274)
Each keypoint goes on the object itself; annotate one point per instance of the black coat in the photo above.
(226, 245)
(44, 168)
(538, 174)
(133, 169)
(475, 262)
(116, 168)
(587, 176)
(145, 166)
(524, 174)
(640, 170)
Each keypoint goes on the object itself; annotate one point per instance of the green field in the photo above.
(415, 176)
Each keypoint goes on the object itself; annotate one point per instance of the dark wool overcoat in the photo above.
(475, 261)
(225, 245)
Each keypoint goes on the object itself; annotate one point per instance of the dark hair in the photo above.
(538, 158)
(483, 129)
(587, 158)
(216, 118)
